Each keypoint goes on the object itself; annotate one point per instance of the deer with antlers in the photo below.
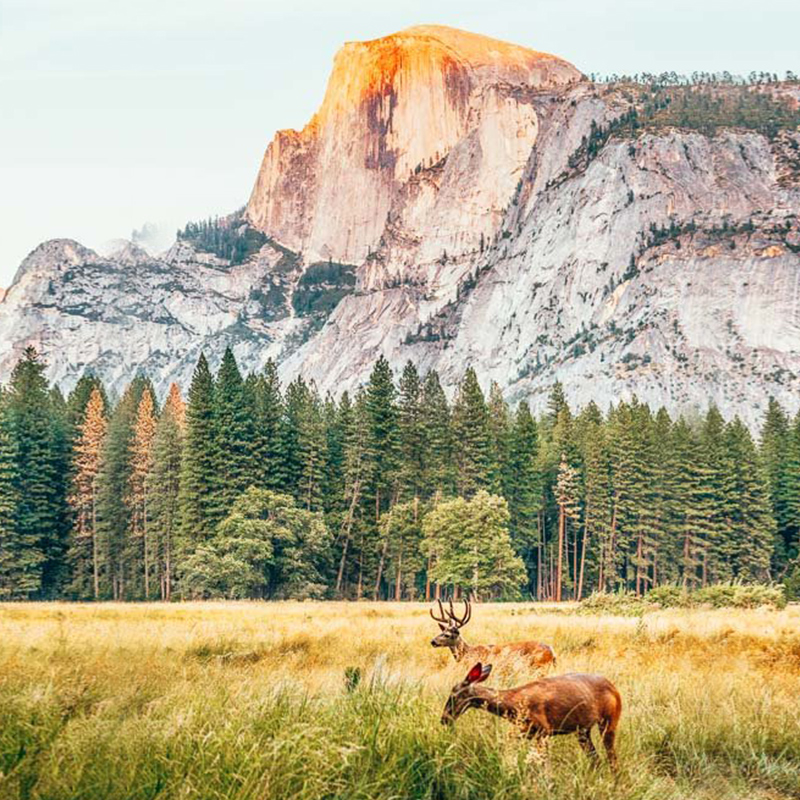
(572, 703)
(450, 624)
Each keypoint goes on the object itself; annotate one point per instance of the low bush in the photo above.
(718, 595)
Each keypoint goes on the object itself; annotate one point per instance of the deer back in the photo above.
(567, 703)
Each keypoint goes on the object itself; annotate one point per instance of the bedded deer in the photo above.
(536, 653)
(572, 703)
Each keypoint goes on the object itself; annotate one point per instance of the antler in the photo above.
(459, 622)
(443, 614)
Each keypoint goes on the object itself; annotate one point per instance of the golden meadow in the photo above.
(251, 700)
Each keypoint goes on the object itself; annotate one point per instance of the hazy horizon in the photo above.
(161, 113)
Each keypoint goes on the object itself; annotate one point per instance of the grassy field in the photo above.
(242, 700)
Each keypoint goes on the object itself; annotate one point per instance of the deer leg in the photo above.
(609, 739)
(585, 741)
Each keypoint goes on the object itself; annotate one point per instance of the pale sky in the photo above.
(119, 113)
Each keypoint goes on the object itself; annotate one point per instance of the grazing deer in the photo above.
(535, 653)
(572, 703)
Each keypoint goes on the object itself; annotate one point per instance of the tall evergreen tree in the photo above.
(198, 508)
(437, 441)
(79, 397)
(39, 514)
(791, 531)
(296, 402)
(268, 446)
(568, 509)
(411, 434)
(54, 570)
(383, 448)
(751, 525)
(774, 448)
(119, 576)
(471, 431)
(84, 553)
(524, 486)
(313, 452)
(163, 484)
(358, 467)
(234, 435)
(9, 578)
(500, 442)
(596, 497)
(144, 431)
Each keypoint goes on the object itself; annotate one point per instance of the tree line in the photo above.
(248, 488)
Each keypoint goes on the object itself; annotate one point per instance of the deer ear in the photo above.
(442, 626)
(475, 674)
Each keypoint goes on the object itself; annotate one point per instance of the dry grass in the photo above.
(248, 700)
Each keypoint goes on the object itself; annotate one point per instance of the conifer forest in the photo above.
(245, 488)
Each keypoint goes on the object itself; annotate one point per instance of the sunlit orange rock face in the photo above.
(401, 115)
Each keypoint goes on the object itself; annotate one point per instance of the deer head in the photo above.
(450, 625)
(464, 693)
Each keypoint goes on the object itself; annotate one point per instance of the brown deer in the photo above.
(572, 703)
(536, 653)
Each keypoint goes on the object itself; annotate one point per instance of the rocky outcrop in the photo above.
(395, 107)
(131, 312)
(458, 201)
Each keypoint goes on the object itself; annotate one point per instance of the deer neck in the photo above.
(460, 649)
(493, 701)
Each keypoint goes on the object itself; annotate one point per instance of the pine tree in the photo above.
(294, 407)
(163, 486)
(335, 420)
(312, 451)
(9, 579)
(596, 497)
(557, 402)
(471, 431)
(646, 499)
(234, 436)
(624, 481)
(568, 509)
(38, 515)
(500, 433)
(411, 434)
(721, 495)
(176, 405)
(690, 496)
(79, 397)
(118, 574)
(437, 439)
(199, 461)
(792, 497)
(144, 431)
(268, 448)
(751, 525)
(358, 468)
(84, 554)
(383, 448)
(524, 485)
(54, 569)
(774, 456)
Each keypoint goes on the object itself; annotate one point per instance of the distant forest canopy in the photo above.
(698, 78)
(227, 237)
(705, 107)
(253, 489)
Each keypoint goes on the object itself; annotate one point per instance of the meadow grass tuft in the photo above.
(314, 700)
